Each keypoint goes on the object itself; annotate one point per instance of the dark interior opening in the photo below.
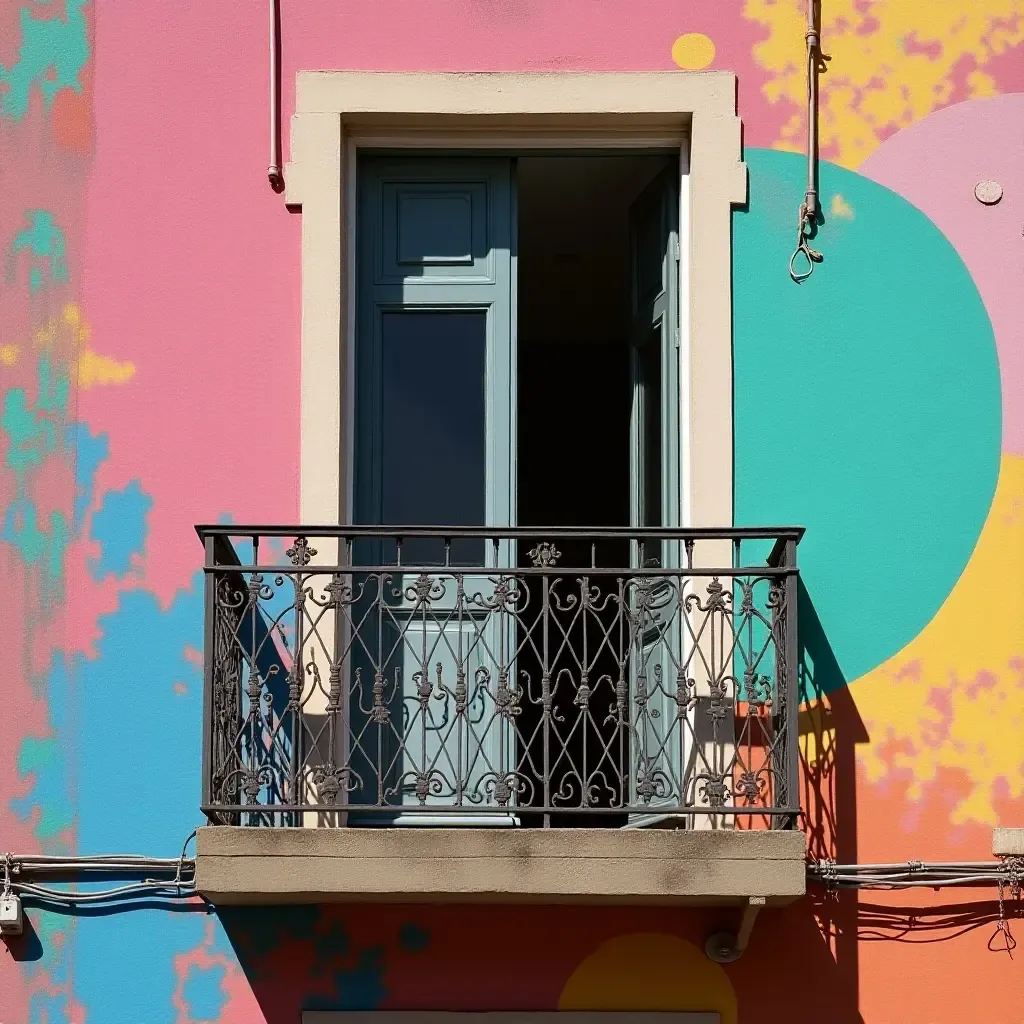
(573, 450)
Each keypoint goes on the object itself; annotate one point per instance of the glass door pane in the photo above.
(434, 427)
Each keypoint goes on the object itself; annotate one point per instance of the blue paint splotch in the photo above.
(33, 431)
(141, 741)
(360, 985)
(48, 761)
(51, 55)
(340, 971)
(138, 789)
(87, 755)
(204, 993)
(356, 986)
(52, 1001)
(49, 976)
(413, 938)
(90, 452)
(42, 544)
(121, 759)
(119, 526)
(43, 241)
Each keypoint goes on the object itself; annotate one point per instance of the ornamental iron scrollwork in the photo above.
(544, 555)
(545, 692)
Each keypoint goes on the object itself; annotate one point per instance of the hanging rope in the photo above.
(804, 230)
(807, 220)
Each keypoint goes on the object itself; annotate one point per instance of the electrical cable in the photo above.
(917, 874)
(179, 872)
(181, 884)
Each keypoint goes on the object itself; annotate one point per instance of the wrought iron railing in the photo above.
(363, 676)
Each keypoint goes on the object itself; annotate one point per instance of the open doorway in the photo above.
(579, 363)
(516, 363)
(574, 312)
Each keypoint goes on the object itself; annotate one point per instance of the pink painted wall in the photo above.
(149, 360)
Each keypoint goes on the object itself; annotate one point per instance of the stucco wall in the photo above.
(149, 367)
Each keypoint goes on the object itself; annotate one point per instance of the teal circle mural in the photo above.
(867, 408)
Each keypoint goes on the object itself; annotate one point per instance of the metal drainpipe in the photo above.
(274, 172)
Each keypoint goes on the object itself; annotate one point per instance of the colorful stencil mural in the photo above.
(149, 371)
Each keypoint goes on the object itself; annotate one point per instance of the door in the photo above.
(658, 734)
(435, 427)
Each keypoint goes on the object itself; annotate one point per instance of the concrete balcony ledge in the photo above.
(1008, 842)
(465, 865)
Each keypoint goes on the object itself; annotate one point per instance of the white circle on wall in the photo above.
(988, 192)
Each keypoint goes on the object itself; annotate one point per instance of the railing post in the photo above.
(546, 697)
(209, 667)
(792, 682)
(296, 683)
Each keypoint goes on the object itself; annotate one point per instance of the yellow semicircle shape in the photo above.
(650, 971)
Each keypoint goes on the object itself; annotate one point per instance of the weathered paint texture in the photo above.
(149, 374)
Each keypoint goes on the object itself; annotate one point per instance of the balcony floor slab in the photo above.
(251, 865)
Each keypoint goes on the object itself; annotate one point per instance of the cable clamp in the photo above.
(828, 871)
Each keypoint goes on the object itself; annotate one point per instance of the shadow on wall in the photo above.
(830, 729)
(28, 946)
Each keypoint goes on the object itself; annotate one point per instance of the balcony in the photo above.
(544, 716)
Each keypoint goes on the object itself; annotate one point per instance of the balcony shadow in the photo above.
(830, 730)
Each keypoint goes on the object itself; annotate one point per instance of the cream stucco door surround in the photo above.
(337, 112)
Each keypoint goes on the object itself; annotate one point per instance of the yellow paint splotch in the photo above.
(693, 51)
(893, 62)
(650, 971)
(840, 208)
(95, 370)
(954, 697)
(9, 355)
(69, 327)
(70, 331)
